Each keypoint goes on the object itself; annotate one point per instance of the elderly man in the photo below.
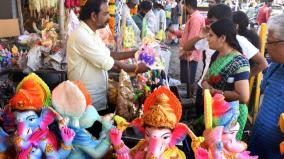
(87, 56)
(266, 135)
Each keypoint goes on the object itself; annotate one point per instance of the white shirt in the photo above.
(89, 60)
(249, 50)
(160, 18)
(151, 21)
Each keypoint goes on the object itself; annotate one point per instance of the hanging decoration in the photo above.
(112, 11)
(74, 5)
(39, 7)
(83, 2)
(134, 10)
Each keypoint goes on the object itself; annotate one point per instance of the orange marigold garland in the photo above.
(112, 10)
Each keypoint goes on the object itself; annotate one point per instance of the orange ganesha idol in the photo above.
(160, 126)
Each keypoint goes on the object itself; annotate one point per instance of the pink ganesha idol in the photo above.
(160, 126)
(33, 138)
(221, 129)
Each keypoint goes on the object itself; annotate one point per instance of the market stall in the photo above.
(34, 41)
(41, 49)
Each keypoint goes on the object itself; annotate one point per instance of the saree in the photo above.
(222, 75)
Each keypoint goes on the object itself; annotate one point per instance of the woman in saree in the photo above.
(229, 69)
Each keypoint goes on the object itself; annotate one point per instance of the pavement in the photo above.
(174, 67)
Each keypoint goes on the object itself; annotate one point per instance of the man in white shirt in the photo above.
(150, 22)
(160, 16)
(87, 56)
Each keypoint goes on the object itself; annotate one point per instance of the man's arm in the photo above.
(260, 64)
(163, 20)
(98, 57)
(123, 55)
(189, 45)
(251, 52)
(137, 68)
(195, 30)
(267, 14)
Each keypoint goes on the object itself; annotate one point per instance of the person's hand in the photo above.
(115, 136)
(67, 135)
(107, 121)
(171, 29)
(204, 32)
(142, 67)
(108, 117)
(215, 91)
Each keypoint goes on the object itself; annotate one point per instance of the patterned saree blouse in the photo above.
(226, 70)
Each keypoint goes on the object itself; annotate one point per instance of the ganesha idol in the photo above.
(73, 102)
(160, 126)
(33, 139)
(220, 141)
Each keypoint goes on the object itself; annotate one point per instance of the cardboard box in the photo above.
(9, 28)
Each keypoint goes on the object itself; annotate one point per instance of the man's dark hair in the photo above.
(220, 11)
(145, 5)
(191, 3)
(218, 1)
(268, 1)
(90, 7)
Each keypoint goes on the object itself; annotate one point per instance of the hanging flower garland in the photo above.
(83, 2)
(118, 5)
(134, 10)
(73, 4)
(112, 11)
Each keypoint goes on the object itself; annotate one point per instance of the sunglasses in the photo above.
(274, 42)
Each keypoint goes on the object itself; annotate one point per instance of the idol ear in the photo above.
(138, 124)
(179, 133)
(47, 117)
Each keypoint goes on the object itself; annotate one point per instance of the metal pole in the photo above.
(20, 16)
(61, 21)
